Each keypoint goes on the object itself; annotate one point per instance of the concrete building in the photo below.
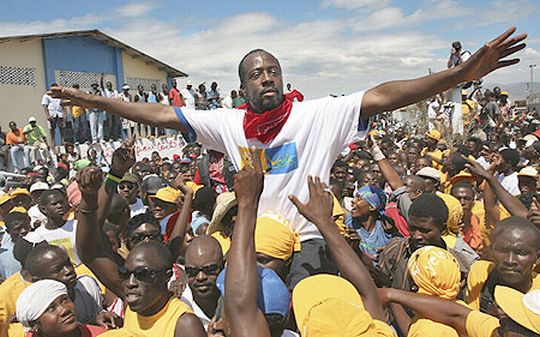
(30, 64)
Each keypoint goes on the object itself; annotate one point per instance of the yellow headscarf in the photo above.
(274, 237)
(455, 212)
(436, 272)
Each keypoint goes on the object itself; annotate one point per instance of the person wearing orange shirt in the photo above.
(16, 140)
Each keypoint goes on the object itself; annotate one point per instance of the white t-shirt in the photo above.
(188, 98)
(53, 105)
(88, 299)
(308, 144)
(510, 183)
(64, 236)
(137, 208)
(36, 216)
(227, 102)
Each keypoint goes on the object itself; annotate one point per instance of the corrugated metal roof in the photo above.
(100, 36)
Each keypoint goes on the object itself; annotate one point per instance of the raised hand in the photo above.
(318, 209)
(249, 182)
(71, 96)
(476, 169)
(123, 157)
(89, 180)
(492, 55)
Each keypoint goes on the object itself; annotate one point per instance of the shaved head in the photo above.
(204, 247)
(153, 254)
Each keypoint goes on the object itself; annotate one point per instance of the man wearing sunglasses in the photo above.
(204, 262)
(152, 310)
(129, 189)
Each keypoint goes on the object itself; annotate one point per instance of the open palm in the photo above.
(491, 56)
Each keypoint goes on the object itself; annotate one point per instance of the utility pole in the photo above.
(531, 90)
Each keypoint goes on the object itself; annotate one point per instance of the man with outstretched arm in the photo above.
(297, 139)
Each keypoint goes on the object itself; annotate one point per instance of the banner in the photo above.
(166, 146)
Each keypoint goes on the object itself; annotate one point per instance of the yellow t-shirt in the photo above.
(162, 323)
(224, 242)
(381, 329)
(478, 275)
(422, 327)
(10, 290)
(481, 325)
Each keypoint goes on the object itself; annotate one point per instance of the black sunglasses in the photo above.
(154, 236)
(212, 269)
(143, 274)
(123, 186)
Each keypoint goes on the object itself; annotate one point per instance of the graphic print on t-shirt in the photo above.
(276, 160)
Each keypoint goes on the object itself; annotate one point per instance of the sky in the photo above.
(324, 46)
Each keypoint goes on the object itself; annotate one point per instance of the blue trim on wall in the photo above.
(119, 64)
(79, 53)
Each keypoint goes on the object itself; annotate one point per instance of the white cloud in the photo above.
(58, 25)
(135, 9)
(354, 4)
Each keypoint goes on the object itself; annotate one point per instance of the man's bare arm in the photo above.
(396, 94)
(430, 307)
(241, 280)
(148, 113)
(318, 210)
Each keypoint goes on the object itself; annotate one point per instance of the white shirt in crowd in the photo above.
(510, 183)
(188, 97)
(53, 106)
(88, 299)
(110, 93)
(64, 236)
(137, 208)
(308, 144)
(36, 216)
(227, 102)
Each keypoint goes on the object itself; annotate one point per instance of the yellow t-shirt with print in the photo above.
(162, 323)
(10, 290)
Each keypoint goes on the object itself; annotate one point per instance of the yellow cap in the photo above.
(464, 92)
(455, 212)
(20, 191)
(461, 176)
(194, 187)
(4, 197)
(504, 93)
(167, 194)
(18, 209)
(434, 134)
(523, 309)
(528, 171)
(328, 305)
(274, 237)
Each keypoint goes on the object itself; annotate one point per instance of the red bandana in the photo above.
(267, 125)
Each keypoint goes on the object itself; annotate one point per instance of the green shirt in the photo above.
(34, 135)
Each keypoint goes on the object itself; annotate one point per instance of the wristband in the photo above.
(88, 211)
(114, 178)
(377, 154)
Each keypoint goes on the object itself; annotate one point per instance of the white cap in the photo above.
(32, 119)
(528, 171)
(188, 82)
(126, 87)
(39, 186)
(529, 139)
(429, 172)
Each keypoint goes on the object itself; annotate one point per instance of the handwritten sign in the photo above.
(167, 147)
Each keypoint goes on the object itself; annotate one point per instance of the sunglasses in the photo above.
(212, 269)
(154, 236)
(126, 186)
(143, 274)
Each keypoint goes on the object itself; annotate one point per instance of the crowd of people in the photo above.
(321, 218)
(25, 147)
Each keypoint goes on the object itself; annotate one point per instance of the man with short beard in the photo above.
(298, 139)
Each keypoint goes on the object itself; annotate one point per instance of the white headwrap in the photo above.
(36, 298)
